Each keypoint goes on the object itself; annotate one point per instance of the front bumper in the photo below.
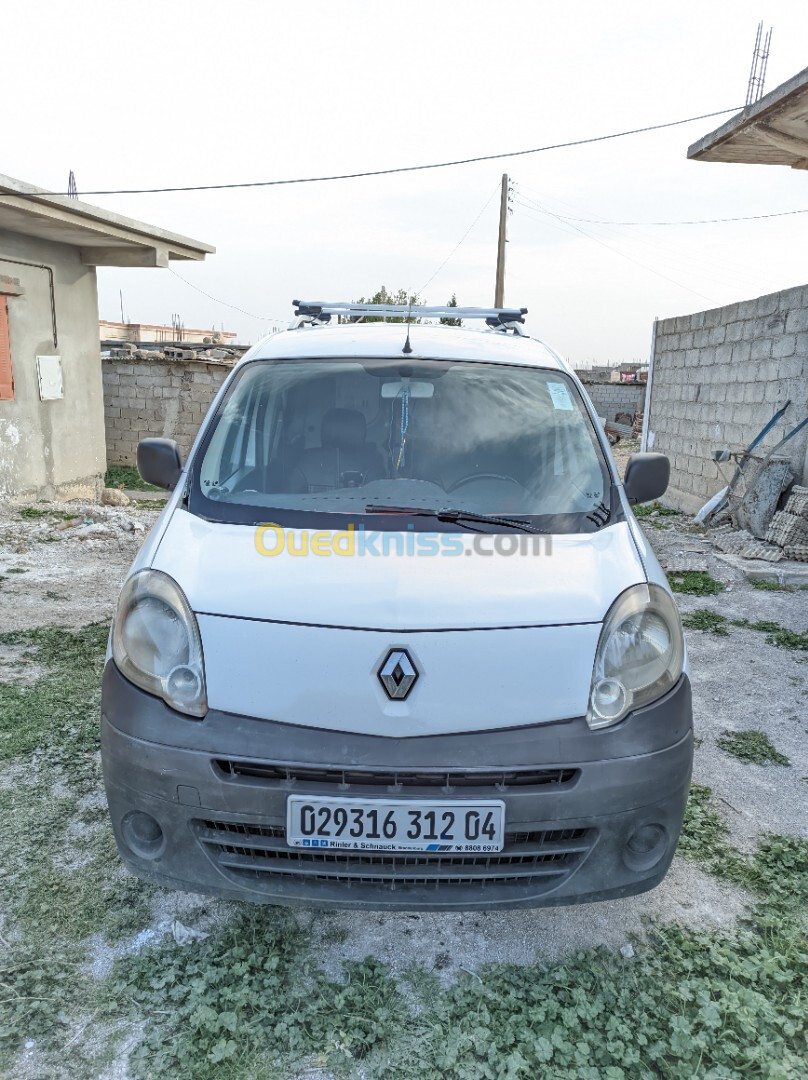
(574, 800)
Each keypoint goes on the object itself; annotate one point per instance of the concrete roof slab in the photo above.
(105, 238)
(773, 131)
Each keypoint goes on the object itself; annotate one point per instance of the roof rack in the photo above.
(320, 312)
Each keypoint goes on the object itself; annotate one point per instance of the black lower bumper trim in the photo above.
(566, 842)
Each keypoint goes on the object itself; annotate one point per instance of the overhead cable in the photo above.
(386, 172)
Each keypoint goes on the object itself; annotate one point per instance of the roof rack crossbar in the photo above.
(322, 310)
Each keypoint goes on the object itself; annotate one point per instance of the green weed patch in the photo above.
(251, 1000)
(126, 476)
(36, 513)
(753, 746)
(704, 619)
(695, 582)
(62, 879)
(654, 509)
(776, 634)
(774, 586)
(778, 871)
(38, 990)
(52, 713)
(715, 623)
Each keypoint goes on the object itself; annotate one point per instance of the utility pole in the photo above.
(499, 290)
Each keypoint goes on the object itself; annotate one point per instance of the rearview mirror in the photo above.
(159, 462)
(647, 477)
(418, 388)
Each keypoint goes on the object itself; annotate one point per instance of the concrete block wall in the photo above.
(718, 377)
(611, 399)
(148, 397)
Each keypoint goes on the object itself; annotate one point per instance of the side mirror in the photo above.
(159, 462)
(647, 477)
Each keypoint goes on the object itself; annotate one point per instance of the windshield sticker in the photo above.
(560, 396)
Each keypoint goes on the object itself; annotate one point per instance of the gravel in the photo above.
(456, 942)
(66, 568)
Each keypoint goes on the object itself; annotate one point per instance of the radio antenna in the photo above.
(407, 347)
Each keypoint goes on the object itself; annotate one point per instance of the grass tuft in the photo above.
(126, 476)
(752, 746)
(695, 582)
(704, 619)
(715, 623)
(150, 504)
(37, 513)
(654, 510)
(776, 634)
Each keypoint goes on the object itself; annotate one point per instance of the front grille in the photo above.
(540, 859)
(398, 779)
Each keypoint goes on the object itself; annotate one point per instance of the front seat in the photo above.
(343, 458)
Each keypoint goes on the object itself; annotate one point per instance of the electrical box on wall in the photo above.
(49, 373)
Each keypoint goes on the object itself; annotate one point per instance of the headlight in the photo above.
(156, 643)
(640, 654)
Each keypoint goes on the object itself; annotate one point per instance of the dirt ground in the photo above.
(62, 565)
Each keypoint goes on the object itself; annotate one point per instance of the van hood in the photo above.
(547, 581)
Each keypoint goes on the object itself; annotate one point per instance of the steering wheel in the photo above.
(484, 476)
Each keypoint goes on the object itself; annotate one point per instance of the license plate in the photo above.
(394, 824)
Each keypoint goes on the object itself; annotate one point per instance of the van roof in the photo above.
(429, 341)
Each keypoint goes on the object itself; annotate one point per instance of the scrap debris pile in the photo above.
(58, 522)
(744, 515)
(789, 527)
(122, 350)
(623, 427)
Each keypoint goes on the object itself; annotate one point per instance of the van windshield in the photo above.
(294, 440)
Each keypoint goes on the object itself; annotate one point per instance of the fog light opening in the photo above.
(142, 834)
(646, 846)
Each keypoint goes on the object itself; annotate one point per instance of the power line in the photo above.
(615, 251)
(224, 303)
(691, 221)
(612, 232)
(388, 172)
(461, 240)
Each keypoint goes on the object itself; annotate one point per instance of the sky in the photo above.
(179, 92)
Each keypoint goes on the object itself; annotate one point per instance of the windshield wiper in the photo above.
(457, 517)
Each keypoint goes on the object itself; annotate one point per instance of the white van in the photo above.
(397, 640)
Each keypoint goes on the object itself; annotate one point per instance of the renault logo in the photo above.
(398, 674)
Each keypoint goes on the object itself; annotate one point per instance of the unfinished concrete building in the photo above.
(52, 440)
